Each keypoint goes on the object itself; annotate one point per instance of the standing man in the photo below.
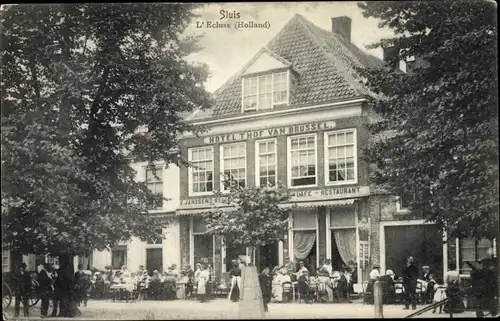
(410, 276)
(22, 281)
(45, 288)
(266, 287)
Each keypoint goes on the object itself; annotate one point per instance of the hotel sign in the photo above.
(329, 193)
(296, 129)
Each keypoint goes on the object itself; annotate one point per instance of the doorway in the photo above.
(154, 260)
(268, 256)
(233, 252)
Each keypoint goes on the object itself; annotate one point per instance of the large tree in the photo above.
(86, 89)
(256, 217)
(436, 125)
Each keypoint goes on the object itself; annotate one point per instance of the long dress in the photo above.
(202, 285)
(234, 292)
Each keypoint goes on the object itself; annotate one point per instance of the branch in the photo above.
(34, 76)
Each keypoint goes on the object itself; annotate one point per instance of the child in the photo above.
(439, 294)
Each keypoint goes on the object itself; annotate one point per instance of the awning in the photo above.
(194, 211)
(328, 203)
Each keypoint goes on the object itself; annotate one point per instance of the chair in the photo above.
(358, 291)
(367, 293)
(399, 291)
(287, 291)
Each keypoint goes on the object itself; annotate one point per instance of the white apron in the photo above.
(235, 281)
(202, 281)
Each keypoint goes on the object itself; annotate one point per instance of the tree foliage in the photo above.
(436, 126)
(256, 217)
(86, 88)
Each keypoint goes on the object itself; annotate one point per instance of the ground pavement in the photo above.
(224, 309)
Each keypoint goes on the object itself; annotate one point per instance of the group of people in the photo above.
(59, 284)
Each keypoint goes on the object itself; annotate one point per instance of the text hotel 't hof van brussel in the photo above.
(232, 19)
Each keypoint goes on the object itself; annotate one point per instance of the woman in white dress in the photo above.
(202, 283)
(281, 278)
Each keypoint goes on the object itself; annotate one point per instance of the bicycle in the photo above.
(6, 295)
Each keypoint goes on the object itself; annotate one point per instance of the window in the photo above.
(340, 151)
(266, 165)
(265, 92)
(118, 257)
(159, 240)
(154, 179)
(51, 260)
(403, 202)
(201, 173)
(233, 164)
(302, 160)
(5, 261)
(474, 250)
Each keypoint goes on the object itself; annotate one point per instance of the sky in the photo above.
(227, 50)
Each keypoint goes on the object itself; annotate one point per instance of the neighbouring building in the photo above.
(297, 113)
(163, 252)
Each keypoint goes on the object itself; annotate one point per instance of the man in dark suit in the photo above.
(266, 287)
(45, 288)
(410, 276)
(22, 287)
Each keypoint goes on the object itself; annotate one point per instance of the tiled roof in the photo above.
(323, 61)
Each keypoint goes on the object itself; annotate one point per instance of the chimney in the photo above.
(391, 55)
(342, 26)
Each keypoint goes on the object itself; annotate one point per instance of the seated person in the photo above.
(389, 291)
(117, 279)
(174, 271)
(303, 286)
(325, 286)
(302, 268)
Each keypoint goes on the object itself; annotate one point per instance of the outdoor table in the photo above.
(120, 288)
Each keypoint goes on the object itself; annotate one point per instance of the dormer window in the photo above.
(265, 91)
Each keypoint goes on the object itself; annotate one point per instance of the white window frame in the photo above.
(257, 159)
(289, 160)
(221, 156)
(190, 172)
(272, 91)
(6, 257)
(162, 181)
(327, 160)
(399, 207)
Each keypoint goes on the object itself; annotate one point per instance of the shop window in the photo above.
(201, 173)
(266, 166)
(302, 160)
(233, 164)
(265, 92)
(304, 237)
(340, 152)
(343, 236)
(203, 243)
(118, 257)
(154, 180)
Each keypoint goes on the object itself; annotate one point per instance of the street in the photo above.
(224, 309)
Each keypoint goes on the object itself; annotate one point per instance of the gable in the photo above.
(264, 62)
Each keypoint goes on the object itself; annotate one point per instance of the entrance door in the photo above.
(232, 253)
(154, 260)
(423, 242)
(268, 256)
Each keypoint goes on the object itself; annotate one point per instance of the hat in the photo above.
(23, 265)
(97, 273)
(301, 262)
(389, 272)
(376, 266)
(425, 267)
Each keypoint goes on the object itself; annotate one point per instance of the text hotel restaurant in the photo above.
(295, 113)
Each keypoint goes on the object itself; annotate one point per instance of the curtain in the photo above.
(303, 242)
(346, 244)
